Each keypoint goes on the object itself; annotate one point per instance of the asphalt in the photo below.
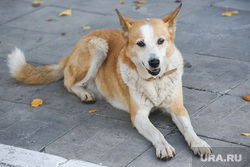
(63, 133)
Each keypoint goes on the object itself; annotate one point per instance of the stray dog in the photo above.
(135, 69)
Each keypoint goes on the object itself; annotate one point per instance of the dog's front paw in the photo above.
(88, 97)
(165, 151)
(200, 147)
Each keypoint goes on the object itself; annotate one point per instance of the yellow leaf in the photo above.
(235, 12)
(10, 55)
(141, 2)
(139, 5)
(245, 134)
(37, 3)
(49, 19)
(246, 97)
(226, 14)
(86, 27)
(36, 102)
(93, 111)
(121, 2)
(66, 13)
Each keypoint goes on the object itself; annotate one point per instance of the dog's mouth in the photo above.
(154, 72)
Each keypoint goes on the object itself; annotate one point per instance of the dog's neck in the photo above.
(166, 73)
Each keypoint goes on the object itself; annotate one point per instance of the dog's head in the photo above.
(149, 42)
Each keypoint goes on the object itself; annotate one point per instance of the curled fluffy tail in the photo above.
(28, 74)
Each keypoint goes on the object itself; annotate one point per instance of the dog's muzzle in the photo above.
(154, 64)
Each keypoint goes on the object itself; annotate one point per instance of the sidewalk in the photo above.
(63, 131)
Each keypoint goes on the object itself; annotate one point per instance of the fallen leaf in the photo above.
(63, 33)
(177, 1)
(141, 2)
(245, 134)
(246, 97)
(36, 102)
(235, 12)
(230, 13)
(10, 55)
(139, 5)
(120, 2)
(93, 111)
(49, 19)
(65, 13)
(37, 3)
(86, 28)
(226, 14)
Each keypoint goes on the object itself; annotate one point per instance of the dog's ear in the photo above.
(171, 19)
(125, 23)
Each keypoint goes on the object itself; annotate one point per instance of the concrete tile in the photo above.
(215, 74)
(99, 136)
(56, 96)
(23, 39)
(42, 137)
(59, 24)
(19, 131)
(226, 119)
(185, 156)
(77, 163)
(241, 90)
(239, 5)
(8, 6)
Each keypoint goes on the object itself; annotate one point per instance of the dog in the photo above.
(135, 69)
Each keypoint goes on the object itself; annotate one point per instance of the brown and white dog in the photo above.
(136, 70)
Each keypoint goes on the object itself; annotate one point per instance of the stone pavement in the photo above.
(218, 49)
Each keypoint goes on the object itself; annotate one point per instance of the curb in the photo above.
(18, 157)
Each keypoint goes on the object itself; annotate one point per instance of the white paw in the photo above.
(88, 97)
(200, 147)
(165, 151)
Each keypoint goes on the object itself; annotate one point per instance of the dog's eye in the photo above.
(160, 41)
(141, 44)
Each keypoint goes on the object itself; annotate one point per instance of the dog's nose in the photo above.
(154, 63)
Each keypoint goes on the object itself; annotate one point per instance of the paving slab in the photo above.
(227, 119)
(23, 39)
(59, 24)
(241, 90)
(185, 157)
(214, 74)
(97, 138)
(239, 5)
(20, 8)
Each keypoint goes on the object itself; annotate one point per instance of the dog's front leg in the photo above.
(140, 120)
(181, 118)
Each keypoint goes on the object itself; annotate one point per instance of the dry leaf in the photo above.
(93, 111)
(36, 102)
(139, 5)
(49, 19)
(37, 3)
(141, 2)
(247, 97)
(10, 55)
(245, 134)
(235, 12)
(177, 1)
(66, 13)
(86, 28)
(120, 2)
(226, 14)
(63, 33)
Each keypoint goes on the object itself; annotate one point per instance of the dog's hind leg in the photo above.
(83, 67)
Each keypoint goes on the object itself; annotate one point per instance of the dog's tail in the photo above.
(29, 74)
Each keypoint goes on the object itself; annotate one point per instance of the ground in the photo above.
(217, 48)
